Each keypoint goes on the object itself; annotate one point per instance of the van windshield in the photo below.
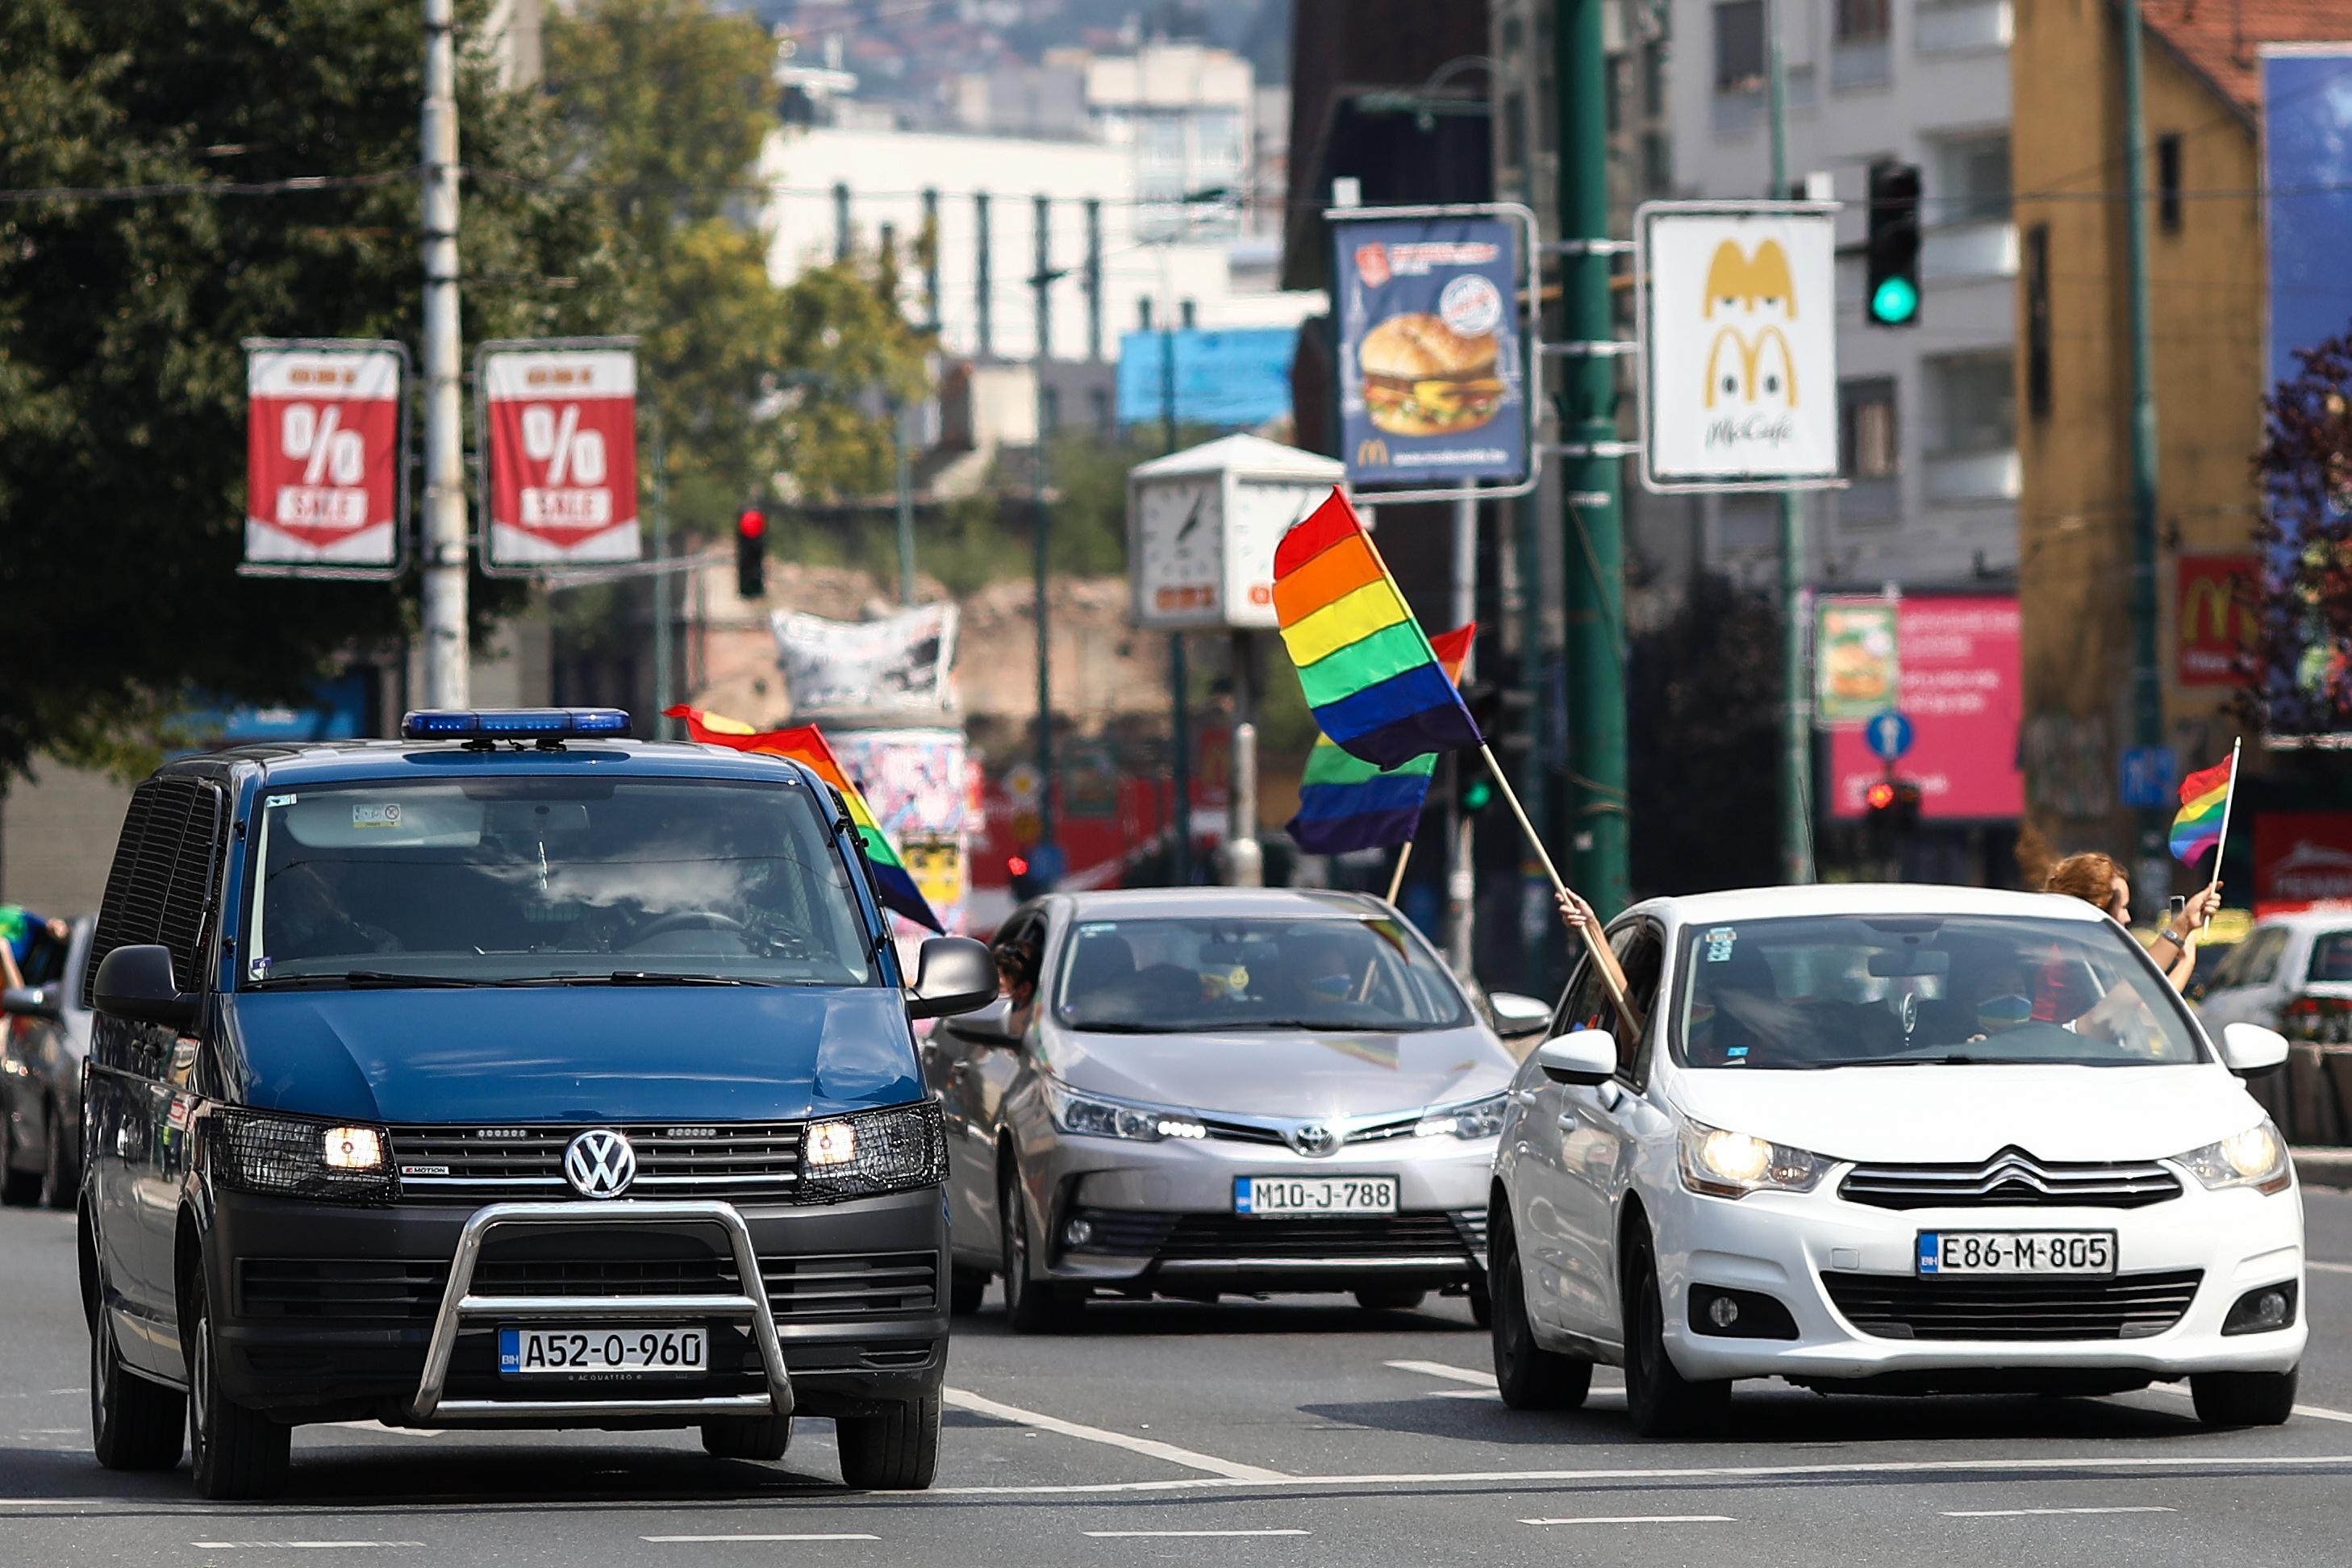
(531, 880)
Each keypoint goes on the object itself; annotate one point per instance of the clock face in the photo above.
(1263, 512)
(1179, 546)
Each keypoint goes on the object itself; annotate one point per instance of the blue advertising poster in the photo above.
(1431, 384)
(1232, 379)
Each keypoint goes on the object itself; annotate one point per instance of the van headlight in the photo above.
(2256, 1158)
(289, 1156)
(1473, 1119)
(1089, 1116)
(1733, 1164)
(874, 1151)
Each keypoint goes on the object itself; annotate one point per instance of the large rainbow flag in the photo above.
(806, 744)
(1346, 803)
(1369, 672)
(2204, 808)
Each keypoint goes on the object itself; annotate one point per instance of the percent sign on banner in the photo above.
(560, 428)
(323, 480)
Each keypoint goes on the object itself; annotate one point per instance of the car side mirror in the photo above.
(1517, 1016)
(1586, 1057)
(953, 975)
(2249, 1050)
(136, 983)
(29, 1001)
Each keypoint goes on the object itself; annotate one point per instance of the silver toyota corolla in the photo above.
(1192, 1091)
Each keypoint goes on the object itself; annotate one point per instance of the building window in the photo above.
(1974, 175)
(1738, 45)
(1188, 313)
(1861, 21)
(1143, 313)
(1866, 438)
(1098, 404)
(2037, 320)
(2167, 181)
(1050, 407)
(1973, 402)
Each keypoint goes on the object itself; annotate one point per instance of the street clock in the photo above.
(1203, 526)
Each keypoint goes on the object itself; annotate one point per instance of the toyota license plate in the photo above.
(603, 1351)
(1290, 1196)
(1943, 1252)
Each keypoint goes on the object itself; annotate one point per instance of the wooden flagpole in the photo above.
(1611, 975)
(1396, 877)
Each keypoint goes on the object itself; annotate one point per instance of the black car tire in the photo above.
(234, 1453)
(1390, 1297)
(896, 1451)
(1661, 1400)
(1528, 1376)
(18, 1189)
(966, 1288)
(1482, 1304)
(760, 1437)
(1030, 1305)
(135, 1425)
(2243, 1398)
(61, 1168)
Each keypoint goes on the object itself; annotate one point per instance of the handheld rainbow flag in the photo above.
(2204, 816)
(806, 744)
(1346, 803)
(1367, 667)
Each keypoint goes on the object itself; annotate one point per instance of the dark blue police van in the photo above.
(512, 1074)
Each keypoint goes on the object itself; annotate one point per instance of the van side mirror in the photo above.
(1517, 1016)
(1587, 1057)
(953, 975)
(136, 983)
(29, 1001)
(2249, 1050)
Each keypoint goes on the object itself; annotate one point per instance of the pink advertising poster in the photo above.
(1961, 690)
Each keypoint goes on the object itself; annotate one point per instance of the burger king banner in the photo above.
(1430, 386)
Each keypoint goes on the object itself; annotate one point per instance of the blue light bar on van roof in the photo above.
(511, 723)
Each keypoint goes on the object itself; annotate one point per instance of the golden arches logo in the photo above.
(1371, 453)
(1736, 277)
(1752, 364)
(2213, 613)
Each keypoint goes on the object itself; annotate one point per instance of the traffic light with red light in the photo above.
(751, 555)
(1892, 805)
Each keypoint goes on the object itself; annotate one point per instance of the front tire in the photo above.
(1528, 1376)
(761, 1438)
(61, 1170)
(1030, 1305)
(966, 1288)
(135, 1425)
(236, 1453)
(18, 1189)
(1389, 1298)
(2243, 1398)
(896, 1451)
(1661, 1400)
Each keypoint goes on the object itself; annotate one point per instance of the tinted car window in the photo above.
(522, 878)
(1174, 975)
(2331, 957)
(2262, 956)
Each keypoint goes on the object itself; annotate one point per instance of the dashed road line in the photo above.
(707, 1539)
(1452, 1373)
(1184, 1534)
(294, 1545)
(2037, 1512)
(1639, 1519)
(1227, 1469)
(2327, 1268)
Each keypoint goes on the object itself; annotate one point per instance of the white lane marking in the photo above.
(379, 1429)
(2037, 1512)
(963, 1399)
(59, 1502)
(1183, 1534)
(1639, 1519)
(293, 1545)
(699, 1540)
(2327, 1268)
(1452, 1373)
(2317, 1412)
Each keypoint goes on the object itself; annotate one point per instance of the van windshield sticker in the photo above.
(1718, 943)
(385, 813)
(278, 800)
(258, 968)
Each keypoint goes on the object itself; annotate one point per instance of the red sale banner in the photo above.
(322, 455)
(560, 429)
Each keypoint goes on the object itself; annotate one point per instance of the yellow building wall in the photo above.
(2075, 513)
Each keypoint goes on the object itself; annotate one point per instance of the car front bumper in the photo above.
(1847, 1274)
(331, 1307)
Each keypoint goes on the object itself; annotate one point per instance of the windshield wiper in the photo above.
(366, 979)
(1951, 1060)
(656, 977)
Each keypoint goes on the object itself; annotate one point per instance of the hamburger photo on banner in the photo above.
(1422, 378)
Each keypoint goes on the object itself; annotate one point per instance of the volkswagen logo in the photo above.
(1312, 1139)
(600, 1163)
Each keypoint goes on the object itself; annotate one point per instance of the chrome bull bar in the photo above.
(459, 1303)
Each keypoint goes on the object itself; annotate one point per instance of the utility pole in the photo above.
(1595, 543)
(1180, 678)
(446, 675)
(1041, 529)
(1461, 878)
(905, 480)
(2147, 694)
(1796, 704)
(664, 634)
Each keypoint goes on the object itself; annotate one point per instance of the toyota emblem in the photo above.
(1314, 1139)
(600, 1163)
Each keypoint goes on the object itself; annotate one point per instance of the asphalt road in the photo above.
(1293, 1433)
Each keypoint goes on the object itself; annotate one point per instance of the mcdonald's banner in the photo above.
(2212, 620)
(1432, 383)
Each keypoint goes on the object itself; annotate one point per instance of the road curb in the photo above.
(2323, 1167)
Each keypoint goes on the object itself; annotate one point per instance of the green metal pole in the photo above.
(2147, 693)
(662, 694)
(1180, 678)
(1044, 535)
(1796, 697)
(1595, 543)
(905, 503)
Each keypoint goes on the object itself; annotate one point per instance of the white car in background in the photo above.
(2305, 956)
(1892, 1139)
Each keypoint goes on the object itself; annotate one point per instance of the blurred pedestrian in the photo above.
(20, 932)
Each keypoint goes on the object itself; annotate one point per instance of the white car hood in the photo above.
(1953, 1115)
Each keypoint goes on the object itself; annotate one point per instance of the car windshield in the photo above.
(1191, 975)
(520, 879)
(1893, 991)
(2331, 958)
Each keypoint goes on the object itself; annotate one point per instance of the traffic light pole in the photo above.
(2147, 693)
(1461, 839)
(1796, 705)
(448, 675)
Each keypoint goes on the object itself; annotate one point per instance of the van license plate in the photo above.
(588, 1353)
(1291, 1196)
(1943, 1252)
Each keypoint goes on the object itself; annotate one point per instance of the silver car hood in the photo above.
(1268, 1072)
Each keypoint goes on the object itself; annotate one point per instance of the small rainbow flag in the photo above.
(2204, 808)
(806, 744)
(1346, 803)
(1367, 667)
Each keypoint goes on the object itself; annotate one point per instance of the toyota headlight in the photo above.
(289, 1156)
(1091, 1116)
(874, 1151)
(1733, 1164)
(1472, 1119)
(2256, 1158)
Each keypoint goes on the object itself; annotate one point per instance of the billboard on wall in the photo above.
(2302, 858)
(2212, 616)
(324, 484)
(559, 439)
(1962, 690)
(1229, 379)
(1856, 668)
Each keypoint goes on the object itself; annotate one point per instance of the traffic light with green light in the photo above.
(1891, 281)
